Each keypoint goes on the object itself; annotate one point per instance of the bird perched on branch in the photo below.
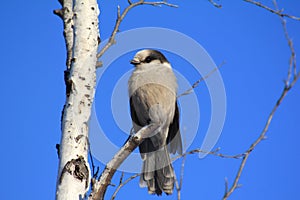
(152, 91)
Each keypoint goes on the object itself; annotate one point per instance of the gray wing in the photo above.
(146, 146)
(174, 137)
(133, 114)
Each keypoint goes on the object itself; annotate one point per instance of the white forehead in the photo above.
(143, 53)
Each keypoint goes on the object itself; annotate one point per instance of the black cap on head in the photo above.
(147, 56)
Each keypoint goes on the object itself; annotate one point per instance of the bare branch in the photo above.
(255, 143)
(289, 83)
(190, 90)
(100, 186)
(226, 185)
(121, 184)
(215, 153)
(160, 3)
(121, 178)
(277, 12)
(120, 18)
(179, 185)
(119, 12)
(215, 4)
(292, 61)
(94, 173)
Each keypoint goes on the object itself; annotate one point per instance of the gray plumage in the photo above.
(152, 90)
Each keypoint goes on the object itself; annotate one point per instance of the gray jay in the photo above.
(152, 91)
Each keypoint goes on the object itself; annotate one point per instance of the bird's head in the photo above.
(148, 56)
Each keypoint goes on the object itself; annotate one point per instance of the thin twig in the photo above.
(94, 174)
(215, 4)
(160, 3)
(119, 12)
(226, 185)
(292, 61)
(290, 82)
(121, 178)
(179, 185)
(260, 138)
(215, 153)
(92, 162)
(277, 12)
(177, 188)
(188, 91)
(122, 184)
(120, 18)
(256, 142)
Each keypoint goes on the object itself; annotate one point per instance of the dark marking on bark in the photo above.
(68, 82)
(78, 137)
(77, 168)
(61, 118)
(88, 87)
(57, 146)
(82, 78)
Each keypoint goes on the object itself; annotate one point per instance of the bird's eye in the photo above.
(148, 59)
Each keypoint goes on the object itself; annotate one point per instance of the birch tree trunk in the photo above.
(81, 35)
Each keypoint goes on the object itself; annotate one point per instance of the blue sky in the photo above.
(249, 39)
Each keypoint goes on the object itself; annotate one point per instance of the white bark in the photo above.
(74, 171)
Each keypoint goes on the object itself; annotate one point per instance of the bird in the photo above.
(152, 89)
